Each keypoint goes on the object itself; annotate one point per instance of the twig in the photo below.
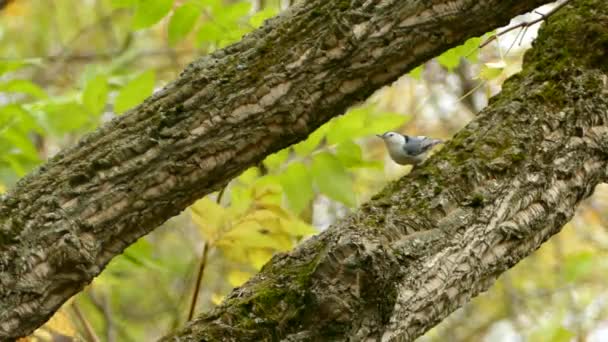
(203, 263)
(525, 24)
(199, 277)
(88, 329)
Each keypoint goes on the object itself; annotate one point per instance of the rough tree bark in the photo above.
(432, 240)
(63, 223)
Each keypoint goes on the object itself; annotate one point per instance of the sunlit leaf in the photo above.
(415, 73)
(123, 3)
(267, 191)
(60, 324)
(259, 257)
(561, 334)
(349, 154)
(305, 147)
(469, 50)
(491, 70)
(134, 92)
(299, 228)
(297, 185)
(95, 94)
(251, 234)
(22, 86)
(332, 179)
(240, 198)
(149, 12)
(579, 265)
(249, 175)
(232, 13)
(182, 22)
(381, 122)
(258, 18)
(238, 278)
(349, 126)
(65, 117)
(12, 65)
(2, 188)
(14, 115)
(22, 142)
(275, 160)
(141, 253)
(209, 32)
(217, 299)
(208, 216)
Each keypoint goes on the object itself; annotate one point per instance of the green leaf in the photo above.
(134, 92)
(182, 22)
(65, 117)
(275, 160)
(349, 154)
(561, 334)
(209, 32)
(579, 265)
(123, 3)
(22, 86)
(95, 94)
(11, 65)
(349, 126)
(415, 73)
(149, 12)
(332, 179)
(258, 18)
(305, 147)
(297, 185)
(490, 71)
(449, 59)
(380, 122)
(231, 13)
(469, 50)
(16, 115)
(22, 143)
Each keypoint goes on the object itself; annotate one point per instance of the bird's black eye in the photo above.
(390, 134)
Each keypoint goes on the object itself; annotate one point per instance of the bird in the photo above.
(408, 150)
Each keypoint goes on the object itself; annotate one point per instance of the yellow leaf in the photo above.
(2, 188)
(253, 235)
(259, 257)
(299, 228)
(217, 298)
(267, 219)
(277, 210)
(267, 190)
(209, 217)
(237, 278)
(60, 323)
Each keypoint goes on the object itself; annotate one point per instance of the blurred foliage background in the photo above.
(68, 66)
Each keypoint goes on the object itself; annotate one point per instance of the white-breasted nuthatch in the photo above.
(406, 150)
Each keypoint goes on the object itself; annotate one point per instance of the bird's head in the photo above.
(392, 138)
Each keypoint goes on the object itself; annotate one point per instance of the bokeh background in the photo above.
(68, 66)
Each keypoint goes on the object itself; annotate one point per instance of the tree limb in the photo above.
(442, 234)
(63, 223)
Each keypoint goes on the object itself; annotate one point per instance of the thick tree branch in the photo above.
(429, 242)
(62, 224)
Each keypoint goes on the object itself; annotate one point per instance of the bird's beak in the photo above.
(379, 136)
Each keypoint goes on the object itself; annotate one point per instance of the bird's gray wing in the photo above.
(419, 145)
